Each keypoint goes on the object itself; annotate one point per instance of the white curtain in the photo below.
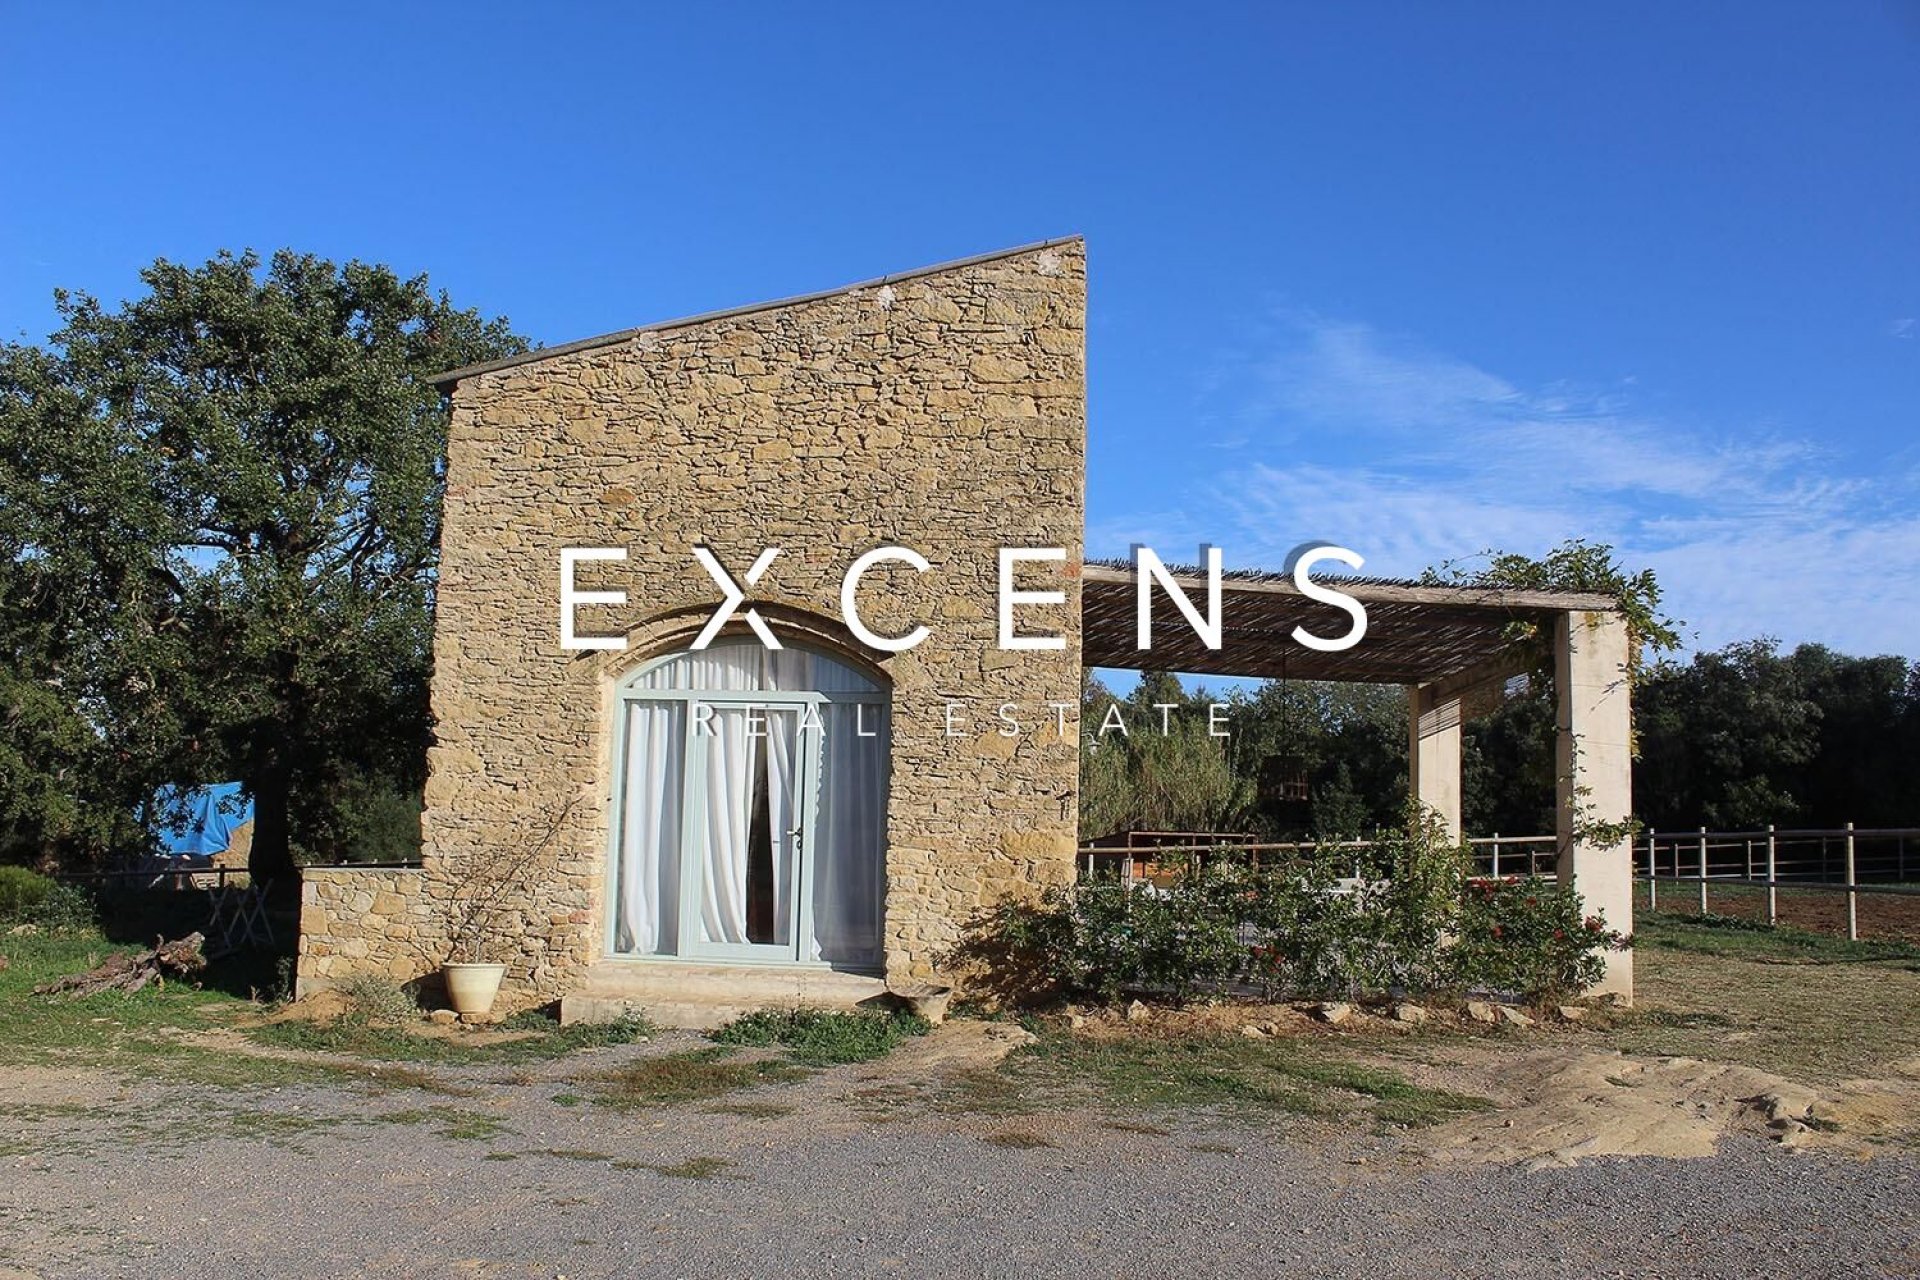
(647, 911)
(744, 743)
(743, 666)
(847, 839)
(732, 758)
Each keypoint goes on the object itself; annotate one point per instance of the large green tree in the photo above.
(1746, 735)
(1149, 762)
(221, 513)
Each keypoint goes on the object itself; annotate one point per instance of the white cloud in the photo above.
(1413, 457)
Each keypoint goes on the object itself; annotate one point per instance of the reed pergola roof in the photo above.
(1417, 632)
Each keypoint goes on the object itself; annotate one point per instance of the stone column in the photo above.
(1433, 753)
(1594, 768)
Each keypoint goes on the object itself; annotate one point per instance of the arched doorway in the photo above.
(750, 808)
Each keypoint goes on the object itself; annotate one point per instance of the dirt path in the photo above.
(518, 1175)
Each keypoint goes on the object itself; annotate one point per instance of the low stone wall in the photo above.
(366, 920)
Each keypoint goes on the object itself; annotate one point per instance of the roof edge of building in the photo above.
(445, 381)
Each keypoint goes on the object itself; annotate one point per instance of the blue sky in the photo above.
(1419, 279)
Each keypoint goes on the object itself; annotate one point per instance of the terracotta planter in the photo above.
(472, 987)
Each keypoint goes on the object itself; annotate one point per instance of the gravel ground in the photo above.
(309, 1183)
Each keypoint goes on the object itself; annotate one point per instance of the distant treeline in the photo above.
(1737, 737)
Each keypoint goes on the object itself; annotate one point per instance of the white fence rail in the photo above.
(1850, 860)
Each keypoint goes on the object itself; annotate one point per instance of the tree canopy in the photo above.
(219, 526)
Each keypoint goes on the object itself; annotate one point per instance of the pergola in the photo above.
(1452, 647)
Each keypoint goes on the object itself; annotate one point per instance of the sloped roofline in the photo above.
(445, 381)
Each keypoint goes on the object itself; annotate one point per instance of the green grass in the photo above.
(1739, 938)
(160, 1032)
(140, 1033)
(1231, 1075)
(821, 1037)
(1808, 1006)
(695, 1075)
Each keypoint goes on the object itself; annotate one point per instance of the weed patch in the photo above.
(1016, 1140)
(821, 1037)
(448, 1122)
(696, 1167)
(752, 1110)
(696, 1075)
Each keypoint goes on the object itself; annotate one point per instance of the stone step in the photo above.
(703, 996)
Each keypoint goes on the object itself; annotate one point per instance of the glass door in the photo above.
(751, 778)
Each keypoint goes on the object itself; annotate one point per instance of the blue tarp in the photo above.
(194, 822)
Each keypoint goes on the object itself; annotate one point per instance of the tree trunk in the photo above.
(271, 859)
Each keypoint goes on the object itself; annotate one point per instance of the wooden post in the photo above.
(1653, 870)
(1853, 893)
(1773, 891)
(1496, 855)
(1703, 871)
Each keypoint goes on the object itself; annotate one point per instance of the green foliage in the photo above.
(21, 893)
(373, 820)
(1349, 742)
(823, 1037)
(1574, 565)
(1746, 735)
(377, 999)
(27, 897)
(1163, 771)
(1529, 937)
(1403, 915)
(219, 526)
(1508, 781)
(66, 906)
(1103, 938)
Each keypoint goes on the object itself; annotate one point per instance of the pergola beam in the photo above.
(1417, 633)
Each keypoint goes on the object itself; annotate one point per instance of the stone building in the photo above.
(697, 828)
(939, 410)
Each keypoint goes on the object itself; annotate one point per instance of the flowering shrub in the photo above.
(1409, 918)
(1528, 937)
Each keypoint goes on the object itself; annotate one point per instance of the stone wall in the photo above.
(942, 410)
(366, 920)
